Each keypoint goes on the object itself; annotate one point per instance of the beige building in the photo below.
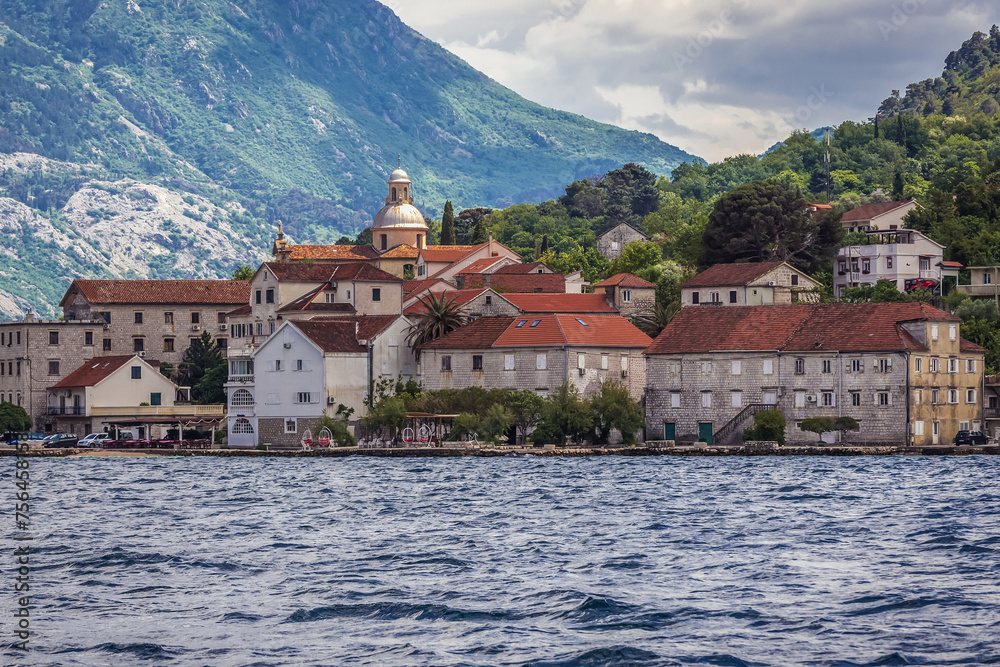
(984, 282)
(537, 352)
(158, 318)
(900, 369)
(749, 284)
(879, 216)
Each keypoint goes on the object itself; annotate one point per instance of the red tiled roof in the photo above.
(307, 302)
(821, 207)
(527, 283)
(362, 272)
(93, 371)
(731, 274)
(245, 309)
(952, 265)
(869, 211)
(332, 335)
(624, 280)
(369, 326)
(530, 267)
(225, 292)
(579, 330)
(448, 253)
(322, 272)
(402, 251)
(862, 327)
(560, 303)
(476, 335)
(415, 286)
(969, 346)
(459, 296)
(340, 253)
(481, 265)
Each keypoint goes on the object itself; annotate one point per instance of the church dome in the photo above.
(399, 214)
(399, 176)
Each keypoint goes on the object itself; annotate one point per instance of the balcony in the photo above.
(160, 411)
(978, 290)
(930, 274)
(74, 410)
(240, 379)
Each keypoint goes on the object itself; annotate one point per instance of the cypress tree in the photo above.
(479, 234)
(448, 225)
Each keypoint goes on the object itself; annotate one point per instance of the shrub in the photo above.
(768, 425)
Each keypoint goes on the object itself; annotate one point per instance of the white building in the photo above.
(905, 256)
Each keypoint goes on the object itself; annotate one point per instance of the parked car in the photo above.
(93, 440)
(60, 440)
(971, 438)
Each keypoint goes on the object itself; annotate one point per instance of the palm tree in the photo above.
(438, 318)
(653, 323)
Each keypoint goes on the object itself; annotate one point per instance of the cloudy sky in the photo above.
(714, 77)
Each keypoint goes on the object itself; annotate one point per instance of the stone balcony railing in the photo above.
(978, 290)
(160, 411)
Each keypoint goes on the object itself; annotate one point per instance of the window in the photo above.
(624, 363)
(541, 361)
(604, 362)
(19, 371)
(934, 332)
(521, 324)
(18, 337)
(883, 398)
(970, 365)
(855, 398)
(953, 365)
(376, 294)
(257, 297)
(384, 241)
(137, 372)
(420, 269)
(53, 368)
(952, 332)
(918, 364)
(795, 280)
(168, 344)
(614, 245)
(828, 399)
(168, 318)
(714, 297)
(195, 318)
(888, 262)
(737, 367)
(534, 324)
(581, 361)
(934, 364)
(768, 367)
(276, 365)
(222, 318)
(883, 365)
(330, 297)
(138, 317)
(866, 266)
(53, 338)
(675, 399)
(106, 345)
(970, 396)
(88, 337)
(489, 300)
(857, 366)
(138, 344)
(706, 399)
(269, 296)
(925, 263)
(918, 396)
(446, 362)
(477, 362)
(105, 315)
(291, 426)
(695, 297)
(800, 366)
(304, 397)
(508, 362)
(737, 399)
(918, 428)
(732, 296)
(626, 295)
(706, 368)
(935, 396)
(843, 268)
(953, 395)
(301, 365)
(155, 398)
(826, 366)
(241, 398)
(800, 399)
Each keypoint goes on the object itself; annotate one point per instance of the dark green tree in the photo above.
(202, 356)
(210, 388)
(438, 318)
(897, 186)
(448, 225)
(614, 408)
(631, 195)
(243, 272)
(568, 414)
(767, 425)
(13, 419)
(479, 233)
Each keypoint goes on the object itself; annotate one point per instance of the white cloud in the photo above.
(715, 77)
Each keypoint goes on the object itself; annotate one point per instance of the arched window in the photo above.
(420, 241)
(242, 397)
(242, 426)
(406, 192)
(384, 241)
(394, 194)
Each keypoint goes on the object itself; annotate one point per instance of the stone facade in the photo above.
(632, 301)
(782, 284)
(612, 242)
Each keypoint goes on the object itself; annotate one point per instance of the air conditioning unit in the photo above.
(288, 346)
(331, 400)
(624, 374)
(141, 353)
(195, 327)
(811, 398)
(107, 326)
(582, 370)
(223, 327)
(771, 283)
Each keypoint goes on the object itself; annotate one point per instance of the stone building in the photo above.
(612, 242)
(281, 389)
(749, 284)
(631, 295)
(158, 318)
(537, 352)
(900, 369)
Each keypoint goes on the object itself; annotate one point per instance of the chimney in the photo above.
(29, 316)
(490, 247)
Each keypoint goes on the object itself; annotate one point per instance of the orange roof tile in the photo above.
(332, 335)
(448, 253)
(476, 335)
(560, 303)
(481, 265)
(369, 326)
(520, 269)
(869, 211)
(731, 274)
(93, 371)
(341, 253)
(624, 280)
(223, 292)
(402, 251)
(586, 330)
(322, 272)
(459, 296)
